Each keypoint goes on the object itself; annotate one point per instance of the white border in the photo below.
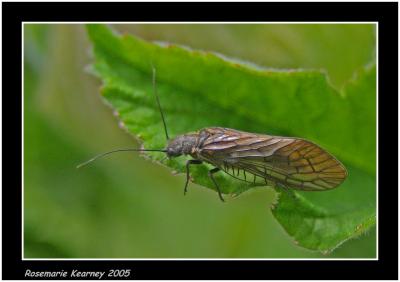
(198, 259)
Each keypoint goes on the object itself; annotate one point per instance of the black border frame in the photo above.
(386, 14)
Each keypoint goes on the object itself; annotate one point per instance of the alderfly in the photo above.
(254, 158)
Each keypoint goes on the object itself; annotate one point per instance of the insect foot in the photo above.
(188, 163)
(210, 174)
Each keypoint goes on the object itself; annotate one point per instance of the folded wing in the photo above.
(296, 163)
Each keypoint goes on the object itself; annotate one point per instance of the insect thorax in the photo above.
(183, 144)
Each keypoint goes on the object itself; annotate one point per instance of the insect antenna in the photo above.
(158, 102)
(115, 151)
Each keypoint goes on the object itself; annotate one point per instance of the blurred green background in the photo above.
(125, 206)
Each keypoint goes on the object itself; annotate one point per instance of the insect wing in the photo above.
(293, 162)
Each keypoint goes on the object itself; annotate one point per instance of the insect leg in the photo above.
(210, 174)
(287, 190)
(188, 163)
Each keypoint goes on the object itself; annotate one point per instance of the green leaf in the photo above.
(200, 89)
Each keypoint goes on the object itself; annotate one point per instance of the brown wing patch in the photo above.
(315, 168)
(300, 164)
(297, 163)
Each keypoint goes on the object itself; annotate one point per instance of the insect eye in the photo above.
(170, 152)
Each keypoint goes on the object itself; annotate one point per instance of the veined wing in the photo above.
(293, 162)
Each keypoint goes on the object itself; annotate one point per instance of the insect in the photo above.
(254, 158)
